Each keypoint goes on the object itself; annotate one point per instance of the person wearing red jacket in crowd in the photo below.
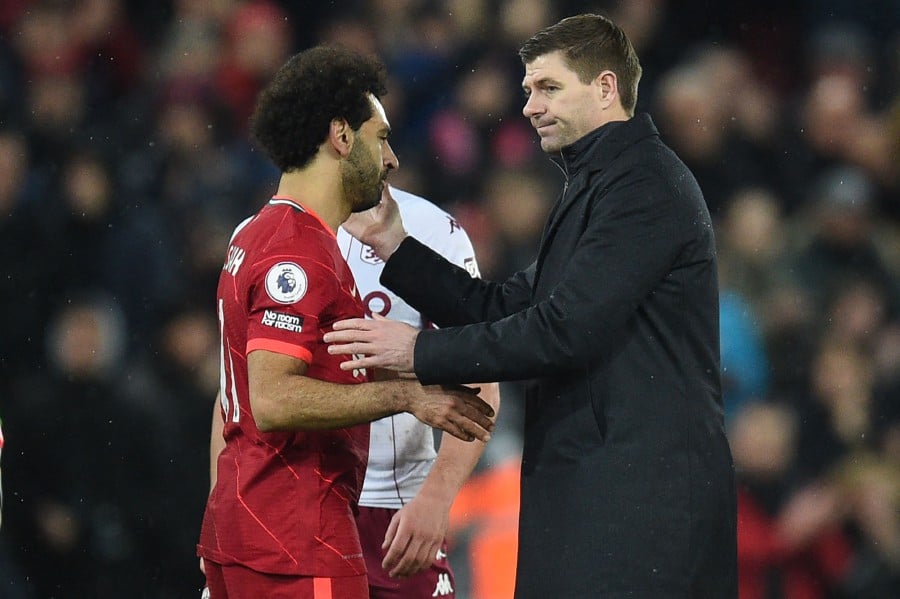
(790, 540)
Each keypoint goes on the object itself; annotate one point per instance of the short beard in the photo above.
(362, 180)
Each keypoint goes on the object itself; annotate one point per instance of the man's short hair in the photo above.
(294, 111)
(590, 44)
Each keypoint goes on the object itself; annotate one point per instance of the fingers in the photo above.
(391, 531)
(479, 404)
(476, 419)
(465, 429)
(480, 414)
(364, 362)
(408, 555)
(396, 548)
(359, 324)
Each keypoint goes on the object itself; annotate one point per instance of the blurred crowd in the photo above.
(125, 165)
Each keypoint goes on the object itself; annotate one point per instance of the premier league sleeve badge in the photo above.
(286, 283)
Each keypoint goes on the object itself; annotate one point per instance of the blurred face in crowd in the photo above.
(369, 162)
(560, 107)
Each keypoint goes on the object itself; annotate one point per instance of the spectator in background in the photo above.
(842, 245)
(179, 371)
(839, 445)
(790, 540)
(97, 519)
(697, 116)
(25, 287)
(745, 368)
(257, 41)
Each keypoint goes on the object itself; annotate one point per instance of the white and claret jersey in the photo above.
(401, 448)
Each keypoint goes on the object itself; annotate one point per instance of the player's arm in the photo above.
(284, 399)
(416, 531)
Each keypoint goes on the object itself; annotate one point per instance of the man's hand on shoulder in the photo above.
(381, 227)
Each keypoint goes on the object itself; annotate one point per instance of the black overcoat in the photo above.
(627, 477)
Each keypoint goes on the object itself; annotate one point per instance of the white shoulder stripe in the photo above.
(237, 229)
(287, 203)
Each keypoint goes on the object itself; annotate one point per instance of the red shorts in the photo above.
(238, 582)
(437, 581)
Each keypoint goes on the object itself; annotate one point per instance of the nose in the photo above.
(532, 106)
(391, 162)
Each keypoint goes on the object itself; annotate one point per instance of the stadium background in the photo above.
(125, 164)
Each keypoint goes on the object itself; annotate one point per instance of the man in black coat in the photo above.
(627, 478)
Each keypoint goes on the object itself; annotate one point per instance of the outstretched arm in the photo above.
(284, 399)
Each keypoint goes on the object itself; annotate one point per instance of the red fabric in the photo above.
(235, 582)
(806, 573)
(284, 501)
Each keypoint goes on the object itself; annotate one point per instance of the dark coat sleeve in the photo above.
(629, 244)
(446, 293)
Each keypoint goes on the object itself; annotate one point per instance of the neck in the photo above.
(318, 187)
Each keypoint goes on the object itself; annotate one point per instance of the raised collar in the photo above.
(601, 146)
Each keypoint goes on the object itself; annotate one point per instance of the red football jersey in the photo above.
(284, 502)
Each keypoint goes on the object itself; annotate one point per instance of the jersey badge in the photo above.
(368, 255)
(286, 283)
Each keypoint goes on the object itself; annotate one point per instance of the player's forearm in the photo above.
(457, 459)
(310, 404)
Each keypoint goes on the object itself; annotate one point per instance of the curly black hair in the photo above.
(311, 89)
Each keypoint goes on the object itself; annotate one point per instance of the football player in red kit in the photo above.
(280, 520)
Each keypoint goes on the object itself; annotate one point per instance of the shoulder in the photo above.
(423, 219)
(433, 226)
(417, 212)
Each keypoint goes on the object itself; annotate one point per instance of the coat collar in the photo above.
(602, 145)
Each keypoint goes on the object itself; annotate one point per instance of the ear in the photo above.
(607, 85)
(341, 137)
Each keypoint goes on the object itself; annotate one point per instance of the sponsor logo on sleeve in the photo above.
(286, 283)
(472, 268)
(280, 320)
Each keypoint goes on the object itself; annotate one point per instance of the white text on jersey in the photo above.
(235, 259)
